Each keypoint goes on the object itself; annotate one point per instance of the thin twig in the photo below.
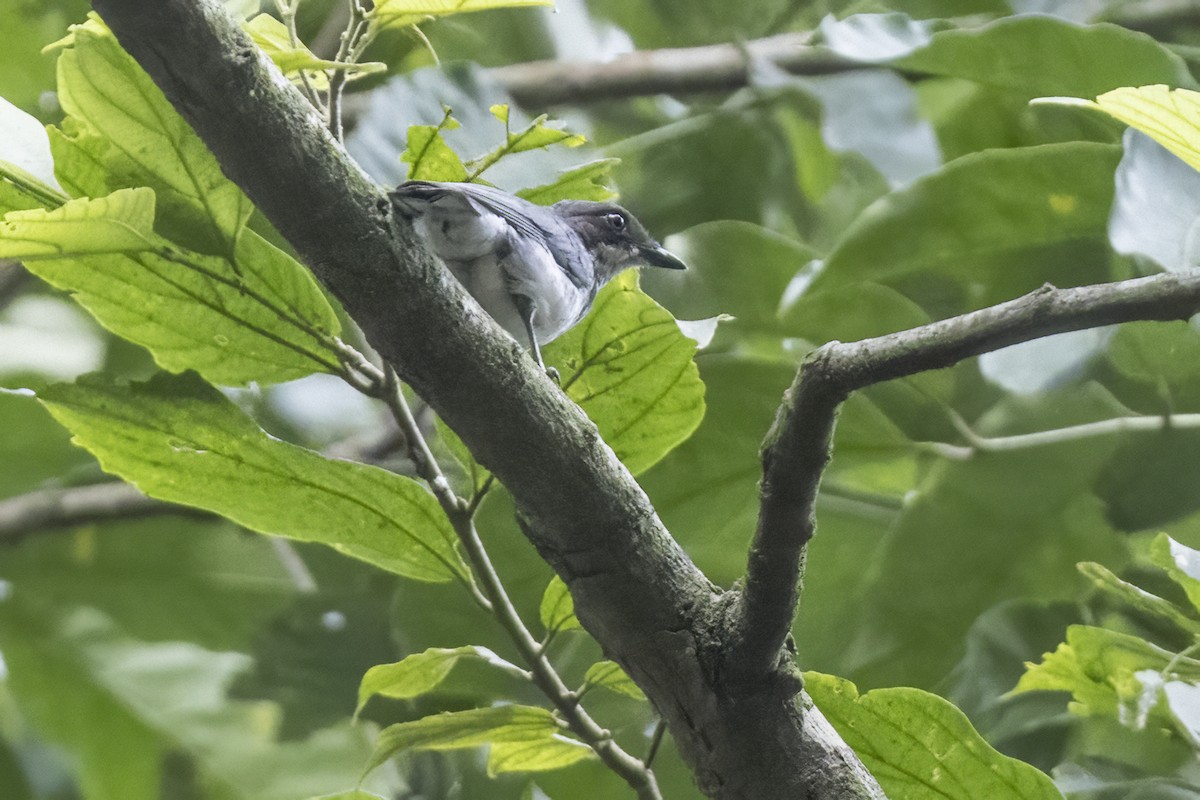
(287, 13)
(799, 445)
(491, 594)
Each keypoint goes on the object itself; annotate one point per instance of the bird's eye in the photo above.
(616, 222)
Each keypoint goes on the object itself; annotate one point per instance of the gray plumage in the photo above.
(534, 269)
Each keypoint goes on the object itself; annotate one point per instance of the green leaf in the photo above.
(631, 370)
(581, 183)
(919, 746)
(1041, 55)
(1168, 116)
(733, 268)
(393, 13)
(272, 36)
(122, 222)
(422, 672)
(523, 738)
(1138, 599)
(609, 675)
(105, 90)
(978, 216)
(138, 701)
(1182, 564)
(180, 440)
(81, 159)
(258, 318)
(557, 610)
(431, 158)
(1099, 668)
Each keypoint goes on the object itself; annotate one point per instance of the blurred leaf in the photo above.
(876, 38)
(420, 673)
(1152, 480)
(969, 518)
(580, 183)
(34, 450)
(1134, 598)
(1040, 55)
(609, 675)
(979, 219)
(24, 144)
(918, 745)
(874, 113)
(1156, 206)
(175, 693)
(557, 609)
(851, 313)
(103, 88)
(1157, 351)
(154, 433)
(733, 268)
(522, 738)
(1182, 564)
(394, 13)
(631, 369)
(1046, 363)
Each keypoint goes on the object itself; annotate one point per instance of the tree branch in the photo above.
(798, 447)
(635, 589)
(684, 70)
(79, 505)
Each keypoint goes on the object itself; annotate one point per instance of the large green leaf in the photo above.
(178, 439)
(998, 219)
(630, 368)
(920, 746)
(1041, 55)
(104, 89)
(258, 317)
(522, 738)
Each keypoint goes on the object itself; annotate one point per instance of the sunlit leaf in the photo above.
(557, 610)
(630, 368)
(422, 672)
(609, 675)
(122, 222)
(918, 745)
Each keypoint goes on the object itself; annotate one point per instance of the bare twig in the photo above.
(494, 598)
(798, 446)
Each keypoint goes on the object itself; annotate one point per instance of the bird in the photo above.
(534, 269)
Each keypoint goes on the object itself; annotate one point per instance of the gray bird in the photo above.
(534, 269)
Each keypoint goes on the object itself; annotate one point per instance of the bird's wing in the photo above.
(475, 198)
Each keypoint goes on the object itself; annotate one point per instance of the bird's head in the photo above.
(614, 237)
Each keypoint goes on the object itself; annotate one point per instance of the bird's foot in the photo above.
(554, 376)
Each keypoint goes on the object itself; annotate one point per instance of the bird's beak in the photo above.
(659, 256)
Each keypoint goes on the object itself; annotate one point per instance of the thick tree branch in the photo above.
(712, 68)
(798, 447)
(635, 590)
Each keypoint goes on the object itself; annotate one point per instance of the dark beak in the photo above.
(658, 256)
